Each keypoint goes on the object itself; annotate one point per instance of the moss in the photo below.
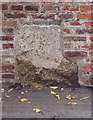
(27, 73)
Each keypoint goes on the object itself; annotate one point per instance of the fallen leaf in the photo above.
(7, 96)
(58, 97)
(29, 102)
(62, 89)
(22, 93)
(53, 93)
(70, 97)
(72, 103)
(37, 110)
(23, 100)
(10, 90)
(2, 90)
(84, 98)
(53, 87)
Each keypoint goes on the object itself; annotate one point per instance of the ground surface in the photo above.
(51, 106)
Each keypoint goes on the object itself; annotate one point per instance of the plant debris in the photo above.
(23, 100)
(37, 110)
(72, 103)
(53, 87)
(55, 94)
(84, 98)
(70, 97)
(10, 90)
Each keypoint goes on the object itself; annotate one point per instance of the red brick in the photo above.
(87, 67)
(48, 7)
(75, 54)
(7, 30)
(66, 30)
(8, 76)
(32, 8)
(91, 53)
(6, 46)
(86, 8)
(88, 24)
(88, 47)
(71, 8)
(74, 38)
(89, 60)
(6, 38)
(85, 16)
(91, 38)
(15, 15)
(9, 23)
(8, 68)
(4, 7)
(75, 23)
(17, 7)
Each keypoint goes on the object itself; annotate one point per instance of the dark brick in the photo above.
(6, 46)
(75, 54)
(8, 76)
(82, 31)
(6, 38)
(74, 38)
(17, 7)
(15, 15)
(4, 7)
(65, 16)
(32, 8)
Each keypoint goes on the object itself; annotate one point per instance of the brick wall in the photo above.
(77, 34)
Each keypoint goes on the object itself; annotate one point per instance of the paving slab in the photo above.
(51, 107)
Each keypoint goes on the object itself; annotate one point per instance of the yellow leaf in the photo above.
(37, 110)
(23, 100)
(53, 93)
(72, 103)
(70, 97)
(58, 97)
(53, 87)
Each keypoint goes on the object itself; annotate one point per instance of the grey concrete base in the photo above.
(51, 106)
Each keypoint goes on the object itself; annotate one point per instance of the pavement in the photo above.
(50, 106)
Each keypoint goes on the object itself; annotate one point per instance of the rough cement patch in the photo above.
(38, 54)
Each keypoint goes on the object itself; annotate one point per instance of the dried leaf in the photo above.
(7, 96)
(84, 98)
(29, 102)
(53, 93)
(22, 93)
(72, 103)
(10, 90)
(23, 100)
(53, 87)
(58, 97)
(70, 97)
(2, 90)
(62, 89)
(37, 110)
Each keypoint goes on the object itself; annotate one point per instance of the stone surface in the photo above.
(38, 55)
